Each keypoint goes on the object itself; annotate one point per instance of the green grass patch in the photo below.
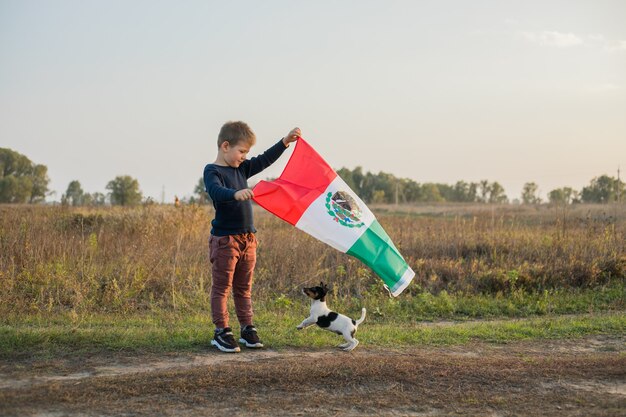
(390, 322)
(62, 334)
(393, 333)
(518, 303)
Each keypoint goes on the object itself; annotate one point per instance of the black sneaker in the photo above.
(223, 339)
(250, 338)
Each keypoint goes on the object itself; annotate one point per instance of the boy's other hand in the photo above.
(243, 195)
(292, 136)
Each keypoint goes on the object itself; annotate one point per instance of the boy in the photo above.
(232, 245)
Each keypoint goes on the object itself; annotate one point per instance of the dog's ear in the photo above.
(322, 284)
(325, 287)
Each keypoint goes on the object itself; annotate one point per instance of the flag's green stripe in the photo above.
(375, 249)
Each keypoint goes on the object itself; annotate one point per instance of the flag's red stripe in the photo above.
(305, 177)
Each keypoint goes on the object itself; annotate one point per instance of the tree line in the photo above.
(22, 181)
(123, 191)
(386, 188)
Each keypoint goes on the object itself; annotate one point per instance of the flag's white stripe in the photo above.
(317, 222)
(404, 282)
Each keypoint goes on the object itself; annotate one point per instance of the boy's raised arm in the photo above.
(267, 158)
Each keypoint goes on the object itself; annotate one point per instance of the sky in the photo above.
(434, 91)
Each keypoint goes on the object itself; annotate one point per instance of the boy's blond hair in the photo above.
(236, 132)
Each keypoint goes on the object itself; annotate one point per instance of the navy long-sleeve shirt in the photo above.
(234, 217)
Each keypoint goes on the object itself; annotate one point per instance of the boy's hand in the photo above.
(243, 195)
(292, 136)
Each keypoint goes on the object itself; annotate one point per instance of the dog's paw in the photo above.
(299, 327)
(350, 346)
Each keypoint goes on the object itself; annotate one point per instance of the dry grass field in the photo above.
(128, 260)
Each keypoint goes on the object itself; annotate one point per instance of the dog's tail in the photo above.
(359, 321)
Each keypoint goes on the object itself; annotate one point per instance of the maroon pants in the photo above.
(233, 258)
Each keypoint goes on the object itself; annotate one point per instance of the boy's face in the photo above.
(235, 155)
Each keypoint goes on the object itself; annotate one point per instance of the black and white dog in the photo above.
(329, 320)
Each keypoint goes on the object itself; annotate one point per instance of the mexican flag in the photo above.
(311, 196)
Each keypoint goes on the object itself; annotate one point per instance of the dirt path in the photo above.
(585, 377)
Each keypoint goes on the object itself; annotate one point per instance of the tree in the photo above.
(358, 179)
(203, 197)
(472, 192)
(484, 188)
(464, 192)
(21, 181)
(124, 191)
(430, 192)
(447, 192)
(496, 193)
(378, 197)
(40, 184)
(74, 194)
(530, 193)
(94, 199)
(346, 175)
(603, 189)
(565, 195)
(412, 191)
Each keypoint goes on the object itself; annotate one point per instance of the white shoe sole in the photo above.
(250, 345)
(223, 349)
